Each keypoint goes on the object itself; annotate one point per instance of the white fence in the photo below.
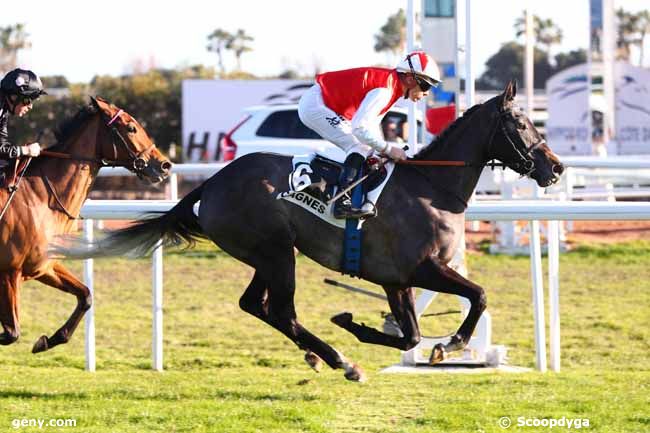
(533, 211)
(582, 170)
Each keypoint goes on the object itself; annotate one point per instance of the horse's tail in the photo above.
(175, 227)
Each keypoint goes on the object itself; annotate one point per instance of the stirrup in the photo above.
(345, 211)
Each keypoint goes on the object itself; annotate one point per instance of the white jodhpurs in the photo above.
(334, 128)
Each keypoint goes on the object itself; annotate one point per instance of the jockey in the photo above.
(346, 108)
(18, 89)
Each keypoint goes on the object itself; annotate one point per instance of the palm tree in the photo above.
(626, 34)
(12, 39)
(238, 45)
(219, 39)
(547, 33)
(643, 27)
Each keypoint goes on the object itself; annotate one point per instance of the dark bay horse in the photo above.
(409, 243)
(49, 200)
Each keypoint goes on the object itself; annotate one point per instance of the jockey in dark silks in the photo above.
(18, 90)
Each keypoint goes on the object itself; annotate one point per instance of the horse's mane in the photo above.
(456, 124)
(63, 132)
(68, 126)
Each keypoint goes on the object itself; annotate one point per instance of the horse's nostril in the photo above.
(558, 169)
(166, 166)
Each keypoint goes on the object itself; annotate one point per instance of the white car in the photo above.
(278, 129)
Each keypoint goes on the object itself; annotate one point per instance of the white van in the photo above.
(277, 128)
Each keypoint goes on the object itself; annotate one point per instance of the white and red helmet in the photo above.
(422, 66)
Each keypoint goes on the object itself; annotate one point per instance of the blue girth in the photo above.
(352, 237)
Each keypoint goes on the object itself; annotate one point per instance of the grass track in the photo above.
(227, 372)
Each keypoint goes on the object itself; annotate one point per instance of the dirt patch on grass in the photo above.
(582, 232)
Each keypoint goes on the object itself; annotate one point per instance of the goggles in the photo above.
(422, 83)
(26, 100)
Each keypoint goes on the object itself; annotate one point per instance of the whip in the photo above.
(14, 188)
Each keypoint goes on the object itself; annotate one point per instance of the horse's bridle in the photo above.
(137, 163)
(526, 161)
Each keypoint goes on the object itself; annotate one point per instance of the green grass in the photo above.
(225, 371)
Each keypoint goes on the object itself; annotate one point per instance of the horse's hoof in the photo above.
(438, 354)
(343, 319)
(355, 374)
(6, 338)
(314, 361)
(40, 345)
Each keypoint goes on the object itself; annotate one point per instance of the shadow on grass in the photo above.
(641, 420)
(253, 396)
(130, 395)
(29, 395)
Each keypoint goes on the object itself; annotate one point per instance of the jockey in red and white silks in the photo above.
(346, 108)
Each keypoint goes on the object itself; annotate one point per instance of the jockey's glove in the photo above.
(33, 149)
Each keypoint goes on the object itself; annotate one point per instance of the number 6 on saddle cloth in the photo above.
(312, 185)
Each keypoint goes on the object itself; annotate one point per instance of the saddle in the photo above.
(322, 177)
(313, 183)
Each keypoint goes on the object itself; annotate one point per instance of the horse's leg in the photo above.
(62, 279)
(433, 275)
(402, 305)
(9, 304)
(255, 301)
(276, 264)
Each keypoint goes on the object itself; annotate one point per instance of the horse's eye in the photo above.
(130, 128)
(520, 124)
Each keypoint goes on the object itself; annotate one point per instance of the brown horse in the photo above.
(49, 200)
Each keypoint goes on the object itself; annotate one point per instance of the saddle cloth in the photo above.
(312, 184)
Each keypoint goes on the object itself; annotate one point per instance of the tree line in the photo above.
(632, 30)
(154, 97)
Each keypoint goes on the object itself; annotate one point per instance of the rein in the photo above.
(524, 162)
(58, 200)
(136, 163)
(101, 161)
(434, 163)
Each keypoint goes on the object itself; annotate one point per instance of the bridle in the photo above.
(526, 162)
(136, 162)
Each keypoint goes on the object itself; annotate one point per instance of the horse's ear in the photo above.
(509, 94)
(100, 103)
(94, 102)
(511, 90)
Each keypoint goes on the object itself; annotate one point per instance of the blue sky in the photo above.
(75, 39)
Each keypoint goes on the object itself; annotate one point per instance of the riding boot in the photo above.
(343, 207)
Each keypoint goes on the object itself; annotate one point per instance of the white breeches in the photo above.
(334, 128)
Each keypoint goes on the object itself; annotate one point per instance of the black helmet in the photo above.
(23, 83)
